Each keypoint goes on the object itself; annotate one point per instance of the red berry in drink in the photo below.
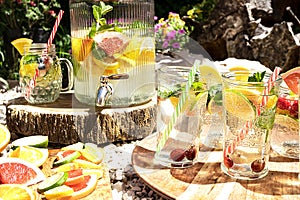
(190, 153)
(258, 165)
(228, 162)
(177, 155)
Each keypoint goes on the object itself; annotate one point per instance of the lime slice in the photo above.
(238, 105)
(210, 74)
(40, 141)
(53, 181)
(69, 158)
(58, 192)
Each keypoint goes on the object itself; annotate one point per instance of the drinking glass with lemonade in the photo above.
(249, 104)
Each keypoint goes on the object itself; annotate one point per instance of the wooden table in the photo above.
(205, 180)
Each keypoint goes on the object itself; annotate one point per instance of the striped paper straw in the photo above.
(49, 43)
(178, 109)
(265, 96)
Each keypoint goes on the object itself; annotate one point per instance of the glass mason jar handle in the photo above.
(70, 73)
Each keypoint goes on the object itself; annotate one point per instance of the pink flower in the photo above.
(171, 35)
(181, 31)
(32, 3)
(51, 12)
(165, 44)
(176, 45)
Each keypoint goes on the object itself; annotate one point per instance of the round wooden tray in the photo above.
(205, 180)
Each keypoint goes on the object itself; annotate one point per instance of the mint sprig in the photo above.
(100, 23)
(257, 77)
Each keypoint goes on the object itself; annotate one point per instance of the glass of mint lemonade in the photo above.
(179, 118)
(249, 118)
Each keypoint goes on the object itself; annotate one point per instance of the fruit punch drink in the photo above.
(179, 117)
(285, 134)
(113, 51)
(249, 106)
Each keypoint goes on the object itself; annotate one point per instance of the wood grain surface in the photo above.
(205, 180)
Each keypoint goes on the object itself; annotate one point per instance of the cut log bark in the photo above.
(67, 121)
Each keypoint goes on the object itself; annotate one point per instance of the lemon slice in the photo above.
(16, 191)
(238, 105)
(58, 192)
(242, 73)
(4, 137)
(252, 95)
(93, 153)
(284, 120)
(36, 156)
(210, 75)
(20, 44)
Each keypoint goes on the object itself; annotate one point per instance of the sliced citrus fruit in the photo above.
(81, 47)
(84, 188)
(69, 158)
(238, 105)
(76, 146)
(66, 167)
(18, 171)
(21, 43)
(27, 69)
(4, 137)
(86, 164)
(291, 78)
(241, 73)
(36, 156)
(210, 74)
(252, 95)
(16, 191)
(98, 172)
(53, 181)
(93, 153)
(58, 192)
(74, 180)
(271, 101)
(284, 120)
(40, 141)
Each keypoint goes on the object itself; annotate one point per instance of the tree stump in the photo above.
(67, 121)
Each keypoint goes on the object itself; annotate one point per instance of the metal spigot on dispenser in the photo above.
(105, 89)
(123, 43)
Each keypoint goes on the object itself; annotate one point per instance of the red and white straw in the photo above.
(45, 51)
(248, 125)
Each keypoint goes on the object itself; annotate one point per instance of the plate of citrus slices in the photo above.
(29, 169)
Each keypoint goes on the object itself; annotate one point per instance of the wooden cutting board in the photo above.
(102, 191)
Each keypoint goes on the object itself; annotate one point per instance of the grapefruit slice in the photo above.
(4, 137)
(111, 42)
(16, 191)
(83, 189)
(18, 171)
(291, 78)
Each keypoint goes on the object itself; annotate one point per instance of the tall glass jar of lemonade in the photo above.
(113, 51)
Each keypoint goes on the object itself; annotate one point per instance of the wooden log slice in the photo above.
(67, 121)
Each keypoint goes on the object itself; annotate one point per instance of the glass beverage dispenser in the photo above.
(113, 51)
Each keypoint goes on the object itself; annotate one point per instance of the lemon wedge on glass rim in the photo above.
(21, 43)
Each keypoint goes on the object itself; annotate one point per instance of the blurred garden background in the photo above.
(34, 19)
(250, 29)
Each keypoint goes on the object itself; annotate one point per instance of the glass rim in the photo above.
(228, 78)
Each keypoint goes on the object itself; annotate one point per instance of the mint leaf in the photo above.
(257, 77)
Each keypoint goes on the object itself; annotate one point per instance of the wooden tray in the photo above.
(205, 180)
(102, 191)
